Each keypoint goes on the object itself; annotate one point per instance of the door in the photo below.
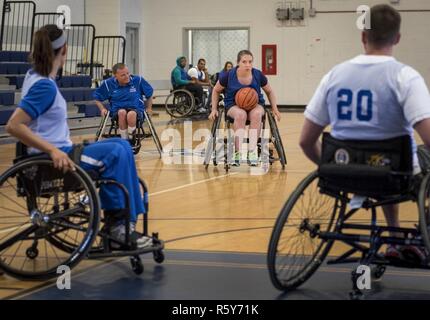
(132, 47)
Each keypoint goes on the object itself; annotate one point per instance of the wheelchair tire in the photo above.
(158, 256)
(136, 265)
(424, 210)
(288, 269)
(180, 103)
(41, 203)
(277, 141)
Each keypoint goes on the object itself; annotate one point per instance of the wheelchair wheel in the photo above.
(277, 141)
(47, 219)
(180, 103)
(424, 210)
(295, 251)
(211, 145)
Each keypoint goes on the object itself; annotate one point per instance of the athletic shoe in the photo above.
(393, 253)
(236, 159)
(253, 158)
(118, 233)
(414, 254)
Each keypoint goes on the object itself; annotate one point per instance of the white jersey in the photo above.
(43, 102)
(196, 73)
(370, 98)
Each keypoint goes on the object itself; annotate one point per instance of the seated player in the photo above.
(181, 80)
(40, 122)
(200, 75)
(372, 97)
(242, 76)
(124, 93)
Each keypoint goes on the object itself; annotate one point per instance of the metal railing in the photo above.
(43, 18)
(80, 47)
(107, 51)
(17, 25)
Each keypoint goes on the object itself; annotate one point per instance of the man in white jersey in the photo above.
(372, 97)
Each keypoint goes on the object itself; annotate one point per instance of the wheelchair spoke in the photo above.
(15, 202)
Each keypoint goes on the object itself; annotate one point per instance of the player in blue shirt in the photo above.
(124, 93)
(372, 97)
(40, 122)
(244, 75)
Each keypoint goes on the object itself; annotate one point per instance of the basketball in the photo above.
(246, 98)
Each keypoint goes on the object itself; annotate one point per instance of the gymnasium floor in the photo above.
(216, 227)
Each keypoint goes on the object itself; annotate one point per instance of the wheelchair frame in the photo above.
(187, 106)
(48, 227)
(140, 132)
(228, 143)
(330, 229)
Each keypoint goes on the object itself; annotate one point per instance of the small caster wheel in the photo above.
(136, 265)
(158, 256)
(378, 272)
(356, 295)
(32, 253)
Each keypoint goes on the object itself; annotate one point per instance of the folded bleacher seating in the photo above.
(77, 94)
(14, 67)
(14, 56)
(7, 98)
(5, 114)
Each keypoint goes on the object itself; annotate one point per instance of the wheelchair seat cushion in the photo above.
(368, 168)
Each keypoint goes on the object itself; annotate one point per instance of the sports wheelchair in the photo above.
(181, 103)
(51, 220)
(215, 152)
(324, 209)
(136, 142)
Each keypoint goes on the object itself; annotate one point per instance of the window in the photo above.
(216, 46)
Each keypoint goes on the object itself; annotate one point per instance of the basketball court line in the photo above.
(192, 184)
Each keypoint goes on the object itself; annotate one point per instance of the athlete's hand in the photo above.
(277, 114)
(103, 112)
(61, 160)
(213, 115)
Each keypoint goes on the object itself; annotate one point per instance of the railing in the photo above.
(80, 47)
(17, 25)
(107, 51)
(43, 18)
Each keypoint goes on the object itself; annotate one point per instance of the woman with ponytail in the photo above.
(40, 122)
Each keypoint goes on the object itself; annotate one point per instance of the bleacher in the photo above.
(77, 84)
(75, 89)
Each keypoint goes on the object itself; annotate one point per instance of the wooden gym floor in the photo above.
(207, 211)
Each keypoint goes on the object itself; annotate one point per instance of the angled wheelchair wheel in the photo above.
(295, 251)
(424, 210)
(47, 219)
(180, 103)
(277, 141)
(102, 127)
(154, 134)
(211, 146)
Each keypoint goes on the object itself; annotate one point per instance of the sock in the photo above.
(131, 130)
(123, 134)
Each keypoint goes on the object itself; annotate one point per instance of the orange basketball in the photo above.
(246, 98)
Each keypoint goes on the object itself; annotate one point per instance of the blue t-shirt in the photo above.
(46, 107)
(232, 85)
(124, 97)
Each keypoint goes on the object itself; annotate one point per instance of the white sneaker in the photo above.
(201, 110)
(118, 233)
(144, 242)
